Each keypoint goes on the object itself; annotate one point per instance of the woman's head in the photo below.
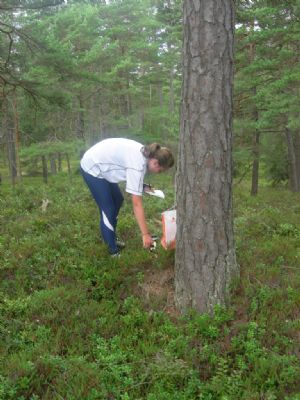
(159, 158)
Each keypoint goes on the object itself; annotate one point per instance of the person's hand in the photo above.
(147, 241)
(147, 188)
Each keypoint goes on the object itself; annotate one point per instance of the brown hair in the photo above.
(163, 155)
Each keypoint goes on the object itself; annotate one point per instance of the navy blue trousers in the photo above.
(109, 199)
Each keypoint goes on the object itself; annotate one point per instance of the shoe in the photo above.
(120, 243)
(116, 255)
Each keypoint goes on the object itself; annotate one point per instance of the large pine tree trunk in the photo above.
(205, 256)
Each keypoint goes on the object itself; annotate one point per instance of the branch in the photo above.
(16, 7)
(11, 83)
(243, 175)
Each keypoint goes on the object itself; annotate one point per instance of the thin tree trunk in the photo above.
(59, 162)
(291, 161)
(163, 128)
(80, 123)
(16, 135)
(172, 95)
(12, 155)
(297, 155)
(150, 105)
(142, 118)
(4, 133)
(128, 105)
(53, 165)
(160, 94)
(101, 122)
(255, 164)
(68, 163)
(256, 135)
(45, 169)
(171, 77)
(12, 127)
(205, 257)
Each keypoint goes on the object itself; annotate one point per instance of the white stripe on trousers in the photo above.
(106, 222)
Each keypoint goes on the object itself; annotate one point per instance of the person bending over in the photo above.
(114, 160)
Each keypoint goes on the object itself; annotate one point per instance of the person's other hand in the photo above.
(147, 241)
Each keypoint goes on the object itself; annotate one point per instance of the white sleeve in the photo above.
(134, 181)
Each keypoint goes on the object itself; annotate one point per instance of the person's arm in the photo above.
(138, 210)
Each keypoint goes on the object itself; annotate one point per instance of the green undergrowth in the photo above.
(76, 324)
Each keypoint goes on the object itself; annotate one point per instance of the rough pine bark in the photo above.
(205, 256)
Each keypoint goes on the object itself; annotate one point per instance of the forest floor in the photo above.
(76, 324)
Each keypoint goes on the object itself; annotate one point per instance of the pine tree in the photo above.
(267, 78)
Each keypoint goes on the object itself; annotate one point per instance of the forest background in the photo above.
(83, 71)
(73, 323)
